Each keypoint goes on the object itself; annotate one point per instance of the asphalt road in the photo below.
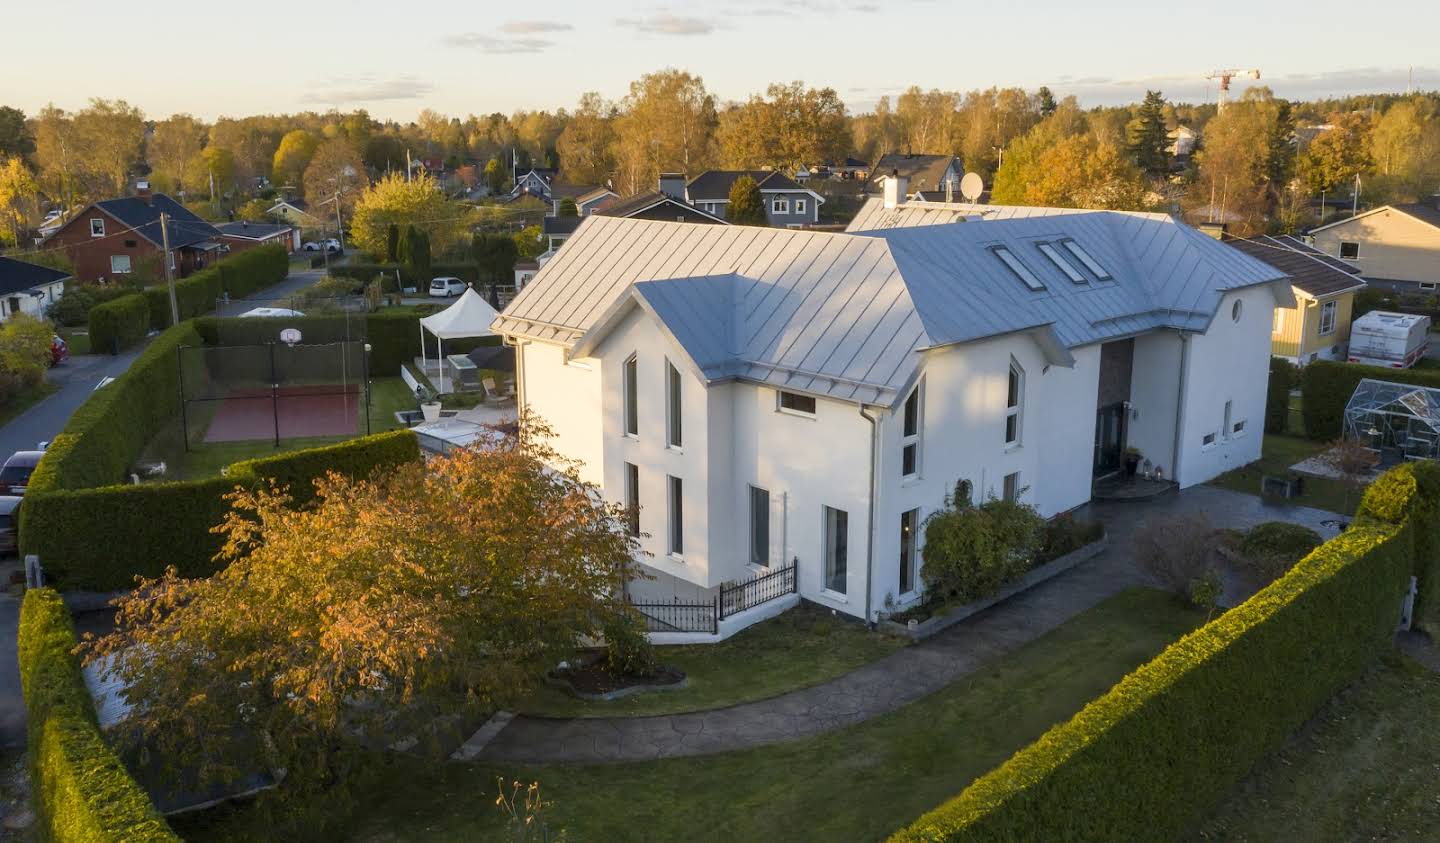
(77, 378)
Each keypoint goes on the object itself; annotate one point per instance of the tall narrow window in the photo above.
(910, 435)
(672, 405)
(1011, 491)
(1225, 430)
(836, 548)
(676, 544)
(97, 227)
(1014, 399)
(1327, 317)
(632, 498)
(759, 526)
(909, 532)
(632, 399)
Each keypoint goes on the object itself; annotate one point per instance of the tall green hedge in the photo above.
(1283, 378)
(119, 323)
(79, 786)
(1412, 491)
(240, 275)
(366, 272)
(100, 539)
(1172, 738)
(1327, 386)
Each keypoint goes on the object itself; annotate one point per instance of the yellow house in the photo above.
(1393, 246)
(1318, 327)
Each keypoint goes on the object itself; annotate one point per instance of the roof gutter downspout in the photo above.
(1180, 406)
(870, 516)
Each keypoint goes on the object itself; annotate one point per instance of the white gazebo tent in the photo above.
(469, 316)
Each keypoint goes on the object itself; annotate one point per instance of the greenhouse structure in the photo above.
(1398, 421)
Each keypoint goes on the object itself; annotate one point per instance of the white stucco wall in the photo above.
(1229, 362)
(1154, 398)
(566, 397)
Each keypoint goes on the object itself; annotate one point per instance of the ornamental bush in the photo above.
(970, 552)
(1271, 548)
(80, 789)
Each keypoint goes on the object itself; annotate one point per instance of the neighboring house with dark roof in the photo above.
(924, 173)
(653, 205)
(587, 199)
(242, 235)
(296, 212)
(787, 203)
(765, 397)
(1318, 326)
(110, 238)
(28, 288)
(1396, 247)
(537, 182)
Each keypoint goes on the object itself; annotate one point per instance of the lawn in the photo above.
(859, 783)
(77, 340)
(24, 399)
(803, 647)
(1364, 769)
(388, 396)
(1280, 452)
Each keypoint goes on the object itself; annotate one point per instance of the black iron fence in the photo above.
(731, 599)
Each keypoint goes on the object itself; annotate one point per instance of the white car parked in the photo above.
(444, 288)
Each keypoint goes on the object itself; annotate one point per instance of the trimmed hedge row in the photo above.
(1283, 378)
(1412, 491)
(119, 323)
(1327, 387)
(1172, 738)
(100, 539)
(80, 789)
(366, 272)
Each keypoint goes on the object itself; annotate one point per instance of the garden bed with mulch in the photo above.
(589, 679)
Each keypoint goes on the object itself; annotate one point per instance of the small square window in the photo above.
(780, 206)
(97, 227)
(1239, 427)
(119, 264)
(797, 403)
(1349, 251)
(1208, 440)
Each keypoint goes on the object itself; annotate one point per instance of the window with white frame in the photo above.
(1327, 317)
(673, 433)
(837, 550)
(910, 435)
(632, 498)
(800, 206)
(1429, 286)
(794, 402)
(1238, 427)
(909, 535)
(632, 397)
(97, 227)
(779, 205)
(1207, 440)
(759, 526)
(1349, 251)
(119, 264)
(1011, 489)
(675, 543)
(1014, 403)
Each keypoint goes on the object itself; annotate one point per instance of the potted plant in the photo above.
(429, 405)
(1132, 461)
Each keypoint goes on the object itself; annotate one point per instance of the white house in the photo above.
(28, 288)
(766, 395)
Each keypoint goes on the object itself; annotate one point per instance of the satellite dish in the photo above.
(972, 186)
(290, 336)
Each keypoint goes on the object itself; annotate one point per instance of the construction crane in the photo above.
(1225, 76)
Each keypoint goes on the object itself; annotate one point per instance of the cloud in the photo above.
(521, 27)
(665, 23)
(343, 89)
(491, 44)
(794, 8)
(1193, 87)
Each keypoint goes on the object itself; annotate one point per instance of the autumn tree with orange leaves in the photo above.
(347, 624)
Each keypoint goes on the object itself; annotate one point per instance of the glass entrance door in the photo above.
(1109, 439)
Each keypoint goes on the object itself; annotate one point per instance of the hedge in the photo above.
(1412, 491)
(467, 272)
(100, 539)
(1171, 739)
(1327, 386)
(119, 323)
(240, 275)
(1283, 378)
(80, 788)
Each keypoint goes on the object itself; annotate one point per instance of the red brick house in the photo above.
(110, 238)
(242, 235)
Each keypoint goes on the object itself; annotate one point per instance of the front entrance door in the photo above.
(1109, 439)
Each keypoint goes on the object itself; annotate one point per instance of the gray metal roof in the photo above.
(843, 315)
(874, 216)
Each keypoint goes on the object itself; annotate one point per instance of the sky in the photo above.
(223, 59)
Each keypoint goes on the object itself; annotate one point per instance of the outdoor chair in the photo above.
(494, 395)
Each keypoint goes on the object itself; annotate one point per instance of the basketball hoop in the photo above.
(290, 336)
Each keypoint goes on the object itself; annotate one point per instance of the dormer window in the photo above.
(1065, 266)
(1090, 263)
(1028, 278)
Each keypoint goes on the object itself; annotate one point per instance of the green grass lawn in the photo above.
(77, 340)
(387, 397)
(803, 647)
(1281, 452)
(208, 459)
(1364, 769)
(859, 783)
(25, 399)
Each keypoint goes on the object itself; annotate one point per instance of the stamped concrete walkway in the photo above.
(902, 677)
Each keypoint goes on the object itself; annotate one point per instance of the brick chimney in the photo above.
(896, 187)
(142, 191)
(673, 185)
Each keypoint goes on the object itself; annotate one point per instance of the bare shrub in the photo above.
(1176, 551)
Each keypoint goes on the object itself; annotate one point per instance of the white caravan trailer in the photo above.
(1393, 340)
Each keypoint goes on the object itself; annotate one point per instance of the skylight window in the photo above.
(1059, 260)
(1090, 263)
(1021, 270)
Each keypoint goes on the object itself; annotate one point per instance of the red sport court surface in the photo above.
(297, 411)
